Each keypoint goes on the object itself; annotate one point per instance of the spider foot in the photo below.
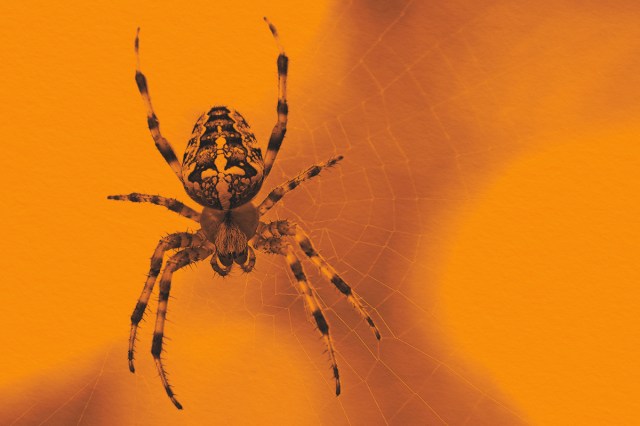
(174, 400)
(373, 327)
(336, 375)
(165, 383)
(132, 342)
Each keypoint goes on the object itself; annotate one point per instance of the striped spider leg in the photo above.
(293, 230)
(179, 240)
(193, 247)
(175, 262)
(270, 238)
(279, 130)
(162, 144)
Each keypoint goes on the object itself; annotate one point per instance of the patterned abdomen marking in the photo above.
(223, 166)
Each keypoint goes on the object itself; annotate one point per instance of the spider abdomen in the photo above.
(222, 167)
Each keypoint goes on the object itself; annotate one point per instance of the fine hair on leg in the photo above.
(170, 203)
(170, 242)
(278, 192)
(309, 294)
(175, 262)
(282, 108)
(162, 144)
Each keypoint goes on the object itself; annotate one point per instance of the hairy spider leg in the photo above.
(314, 307)
(269, 235)
(175, 262)
(269, 239)
(279, 130)
(278, 192)
(330, 273)
(170, 242)
(170, 203)
(162, 144)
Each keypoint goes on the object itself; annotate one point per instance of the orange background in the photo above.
(486, 209)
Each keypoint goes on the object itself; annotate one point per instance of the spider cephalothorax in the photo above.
(230, 232)
(223, 170)
(222, 166)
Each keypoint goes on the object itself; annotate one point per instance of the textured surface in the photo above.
(222, 166)
(486, 208)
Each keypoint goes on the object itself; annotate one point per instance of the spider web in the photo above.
(407, 91)
(385, 100)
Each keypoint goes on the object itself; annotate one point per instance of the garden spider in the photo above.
(223, 170)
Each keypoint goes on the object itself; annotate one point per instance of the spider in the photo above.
(222, 170)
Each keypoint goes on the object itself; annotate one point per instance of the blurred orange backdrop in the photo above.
(486, 209)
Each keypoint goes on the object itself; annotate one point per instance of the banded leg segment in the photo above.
(330, 273)
(269, 239)
(279, 130)
(314, 308)
(170, 203)
(177, 261)
(279, 192)
(162, 144)
(173, 241)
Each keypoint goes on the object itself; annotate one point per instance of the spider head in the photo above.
(230, 231)
(222, 167)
